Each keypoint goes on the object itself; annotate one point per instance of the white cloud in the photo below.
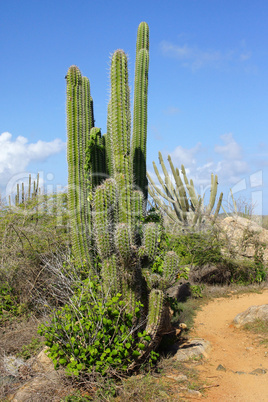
(16, 154)
(195, 58)
(231, 149)
(182, 156)
(227, 162)
(232, 165)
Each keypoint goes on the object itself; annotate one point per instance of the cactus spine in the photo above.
(113, 207)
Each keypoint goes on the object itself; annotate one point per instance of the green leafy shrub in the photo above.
(8, 303)
(76, 397)
(198, 248)
(94, 333)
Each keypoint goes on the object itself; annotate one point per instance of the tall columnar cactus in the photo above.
(139, 138)
(184, 206)
(107, 213)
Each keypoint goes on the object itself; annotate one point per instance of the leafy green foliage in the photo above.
(94, 333)
(197, 248)
(8, 302)
(76, 397)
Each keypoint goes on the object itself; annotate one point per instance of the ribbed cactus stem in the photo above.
(110, 275)
(150, 239)
(22, 193)
(29, 186)
(120, 113)
(77, 129)
(213, 193)
(17, 197)
(156, 316)
(95, 162)
(180, 188)
(190, 188)
(123, 239)
(157, 189)
(139, 137)
(102, 223)
(108, 142)
(170, 266)
(218, 207)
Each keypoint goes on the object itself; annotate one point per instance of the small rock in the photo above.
(240, 372)
(178, 377)
(42, 362)
(221, 368)
(251, 314)
(29, 391)
(258, 371)
(194, 393)
(193, 348)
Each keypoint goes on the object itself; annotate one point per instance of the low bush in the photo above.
(30, 232)
(94, 334)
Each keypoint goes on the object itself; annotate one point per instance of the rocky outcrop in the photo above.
(251, 314)
(244, 236)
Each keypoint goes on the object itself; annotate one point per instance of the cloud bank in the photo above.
(16, 154)
(227, 161)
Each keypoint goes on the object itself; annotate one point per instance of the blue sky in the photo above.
(208, 85)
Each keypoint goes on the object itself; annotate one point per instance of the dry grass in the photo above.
(260, 328)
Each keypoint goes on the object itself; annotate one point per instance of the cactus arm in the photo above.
(110, 275)
(160, 192)
(150, 239)
(180, 188)
(120, 113)
(190, 188)
(123, 239)
(22, 193)
(120, 131)
(163, 206)
(139, 137)
(29, 187)
(168, 184)
(213, 193)
(108, 146)
(102, 222)
(217, 210)
(77, 198)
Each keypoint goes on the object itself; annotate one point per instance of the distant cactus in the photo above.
(184, 207)
(33, 191)
(108, 191)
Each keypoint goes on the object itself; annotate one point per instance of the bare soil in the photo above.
(237, 350)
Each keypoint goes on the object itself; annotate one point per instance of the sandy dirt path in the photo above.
(235, 349)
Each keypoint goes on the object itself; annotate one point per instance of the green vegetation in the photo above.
(31, 348)
(94, 333)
